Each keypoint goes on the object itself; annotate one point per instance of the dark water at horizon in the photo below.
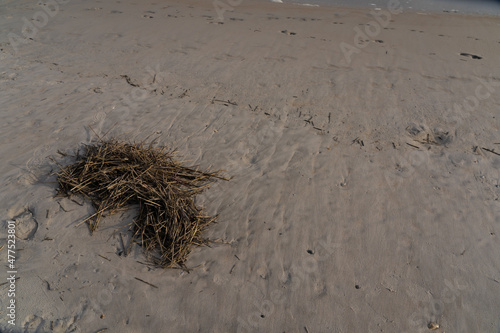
(484, 7)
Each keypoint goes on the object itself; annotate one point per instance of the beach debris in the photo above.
(358, 141)
(114, 175)
(409, 144)
(432, 326)
(152, 285)
(104, 329)
(129, 81)
(103, 257)
(491, 151)
(4, 283)
(473, 56)
(226, 103)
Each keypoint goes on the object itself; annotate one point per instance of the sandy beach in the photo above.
(362, 145)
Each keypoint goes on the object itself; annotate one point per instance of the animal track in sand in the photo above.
(472, 56)
(26, 226)
(425, 136)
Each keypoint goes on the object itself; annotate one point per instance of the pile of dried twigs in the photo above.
(114, 175)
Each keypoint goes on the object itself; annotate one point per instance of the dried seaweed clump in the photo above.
(114, 175)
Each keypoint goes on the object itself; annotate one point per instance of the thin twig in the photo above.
(102, 330)
(409, 144)
(491, 151)
(104, 257)
(152, 285)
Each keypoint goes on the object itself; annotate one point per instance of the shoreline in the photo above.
(493, 11)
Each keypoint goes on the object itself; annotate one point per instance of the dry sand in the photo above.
(363, 196)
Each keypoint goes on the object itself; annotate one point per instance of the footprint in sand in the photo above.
(26, 226)
(423, 135)
(472, 56)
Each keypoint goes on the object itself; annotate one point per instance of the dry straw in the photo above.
(115, 175)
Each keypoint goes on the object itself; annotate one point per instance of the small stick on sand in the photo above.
(100, 331)
(491, 151)
(62, 207)
(152, 285)
(223, 101)
(358, 141)
(104, 257)
(79, 204)
(1, 284)
(409, 144)
(129, 81)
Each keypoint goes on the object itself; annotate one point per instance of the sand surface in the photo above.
(364, 193)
